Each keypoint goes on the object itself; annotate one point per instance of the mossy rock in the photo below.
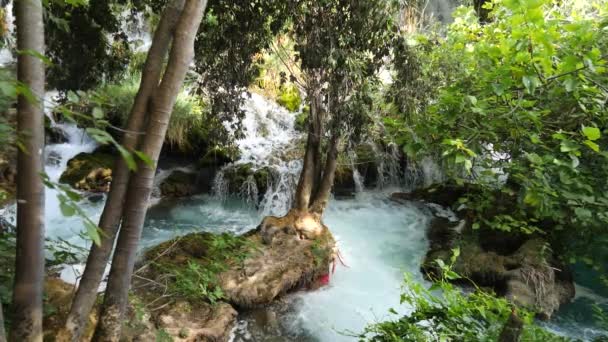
(237, 175)
(89, 171)
(290, 98)
(218, 156)
(367, 164)
(344, 182)
(179, 184)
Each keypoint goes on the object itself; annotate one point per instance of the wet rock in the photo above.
(240, 177)
(179, 184)
(184, 321)
(90, 171)
(444, 194)
(530, 276)
(344, 182)
(53, 158)
(6, 227)
(54, 135)
(286, 264)
(367, 164)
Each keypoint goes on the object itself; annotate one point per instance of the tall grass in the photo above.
(190, 125)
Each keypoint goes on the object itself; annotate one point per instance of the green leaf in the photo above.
(145, 158)
(34, 53)
(66, 209)
(592, 145)
(592, 133)
(93, 232)
(98, 113)
(128, 157)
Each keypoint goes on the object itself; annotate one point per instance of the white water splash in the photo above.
(269, 134)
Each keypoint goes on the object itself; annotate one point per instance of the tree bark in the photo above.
(308, 175)
(140, 185)
(29, 265)
(2, 331)
(321, 198)
(112, 213)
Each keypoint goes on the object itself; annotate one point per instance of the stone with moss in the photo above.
(239, 174)
(344, 182)
(367, 164)
(179, 184)
(90, 171)
(522, 268)
(218, 156)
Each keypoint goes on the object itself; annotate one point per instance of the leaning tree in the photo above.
(341, 45)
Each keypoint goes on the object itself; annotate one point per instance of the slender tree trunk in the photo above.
(308, 175)
(2, 331)
(140, 185)
(321, 198)
(29, 266)
(112, 213)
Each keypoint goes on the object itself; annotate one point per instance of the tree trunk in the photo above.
(140, 186)
(308, 175)
(112, 212)
(29, 266)
(331, 162)
(2, 331)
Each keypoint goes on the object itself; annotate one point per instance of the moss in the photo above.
(179, 184)
(83, 164)
(289, 97)
(238, 174)
(218, 156)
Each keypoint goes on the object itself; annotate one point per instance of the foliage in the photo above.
(443, 312)
(196, 279)
(191, 129)
(521, 105)
(85, 43)
(289, 97)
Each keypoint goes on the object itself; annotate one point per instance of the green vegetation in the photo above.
(289, 97)
(193, 262)
(191, 127)
(526, 94)
(444, 312)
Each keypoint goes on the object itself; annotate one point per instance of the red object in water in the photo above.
(324, 279)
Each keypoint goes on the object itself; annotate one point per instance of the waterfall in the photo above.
(6, 56)
(249, 191)
(268, 142)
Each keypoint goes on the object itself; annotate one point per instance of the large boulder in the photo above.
(287, 263)
(179, 184)
(523, 268)
(90, 171)
(187, 322)
(245, 179)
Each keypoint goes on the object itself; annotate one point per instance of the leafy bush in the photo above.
(520, 105)
(443, 312)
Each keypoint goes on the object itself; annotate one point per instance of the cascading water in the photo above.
(269, 136)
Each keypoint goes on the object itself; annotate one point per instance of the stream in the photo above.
(379, 240)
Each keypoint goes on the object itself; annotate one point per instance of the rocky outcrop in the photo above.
(286, 263)
(243, 177)
(179, 184)
(90, 171)
(522, 268)
(243, 272)
(187, 322)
